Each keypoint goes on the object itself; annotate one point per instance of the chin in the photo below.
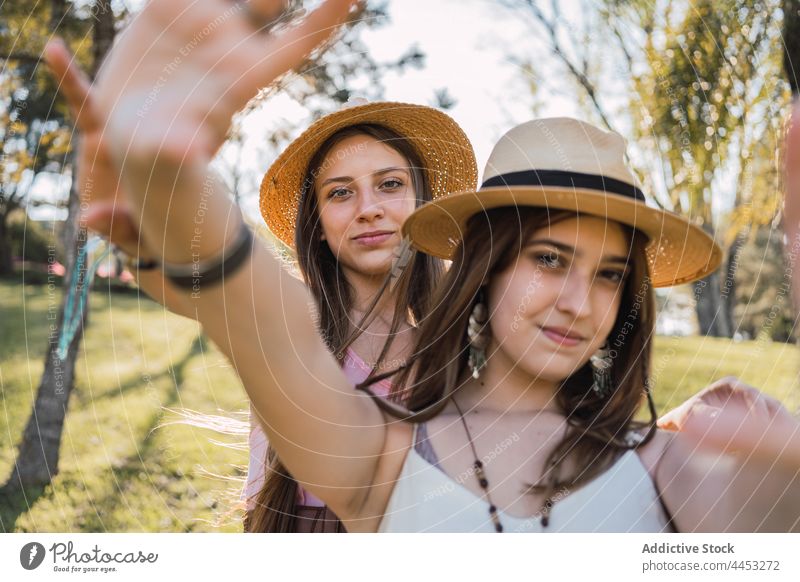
(551, 368)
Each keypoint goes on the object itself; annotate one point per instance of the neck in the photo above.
(366, 289)
(504, 387)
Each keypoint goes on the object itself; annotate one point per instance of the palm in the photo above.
(105, 207)
(165, 96)
(183, 68)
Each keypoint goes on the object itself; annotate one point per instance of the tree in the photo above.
(37, 458)
(34, 129)
(701, 90)
(791, 40)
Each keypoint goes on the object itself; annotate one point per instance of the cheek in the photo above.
(607, 309)
(333, 222)
(513, 298)
(401, 207)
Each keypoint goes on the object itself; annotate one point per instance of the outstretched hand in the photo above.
(182, 69)
(105, 208)
(732, 417)
(162, 105)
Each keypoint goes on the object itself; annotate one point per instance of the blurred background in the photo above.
(142, 426)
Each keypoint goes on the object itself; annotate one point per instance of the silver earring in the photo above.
(601, 372)
(478, 337)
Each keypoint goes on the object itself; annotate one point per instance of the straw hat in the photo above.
(446, 154)
(567, 164)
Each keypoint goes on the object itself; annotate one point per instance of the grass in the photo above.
(125, 465)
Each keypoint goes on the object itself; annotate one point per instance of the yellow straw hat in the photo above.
(567, 164)
(446, 154)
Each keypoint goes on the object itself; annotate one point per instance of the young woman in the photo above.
(528, 372)
(338, 195)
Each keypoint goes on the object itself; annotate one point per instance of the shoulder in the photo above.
(652, 452)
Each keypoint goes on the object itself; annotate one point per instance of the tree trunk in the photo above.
(729, 284)
(37, 461)
(6, 262)
(713, 315)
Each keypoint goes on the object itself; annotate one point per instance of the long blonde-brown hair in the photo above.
(275, 503)
(598, 427)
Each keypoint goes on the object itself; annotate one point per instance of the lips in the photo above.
(562, 336)
(374, 237)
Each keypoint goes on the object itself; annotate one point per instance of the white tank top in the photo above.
(622, 499)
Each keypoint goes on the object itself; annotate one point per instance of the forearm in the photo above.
(156, 286)
(259, 316)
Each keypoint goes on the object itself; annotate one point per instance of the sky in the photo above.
(467, 44)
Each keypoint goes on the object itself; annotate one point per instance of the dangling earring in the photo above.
(601, 372)
(478, 336)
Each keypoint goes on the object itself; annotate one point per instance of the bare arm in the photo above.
(328, 435)
(162, 142)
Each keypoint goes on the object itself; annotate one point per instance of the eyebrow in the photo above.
(573, 251)
(345, 179)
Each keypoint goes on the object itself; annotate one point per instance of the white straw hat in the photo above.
(566, 164)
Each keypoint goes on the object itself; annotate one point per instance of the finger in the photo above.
(74, 84)
(288, 50)
(674, 419)
(668, 422)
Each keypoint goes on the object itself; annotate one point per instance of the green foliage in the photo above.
(710, 94)
(30, 240)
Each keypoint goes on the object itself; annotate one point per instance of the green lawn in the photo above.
(123, 466)
(126, 467)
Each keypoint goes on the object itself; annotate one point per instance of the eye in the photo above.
(392, 184)
(615, 276)
(338, 193)
(548, 259)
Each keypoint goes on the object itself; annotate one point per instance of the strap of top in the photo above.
(423, 446)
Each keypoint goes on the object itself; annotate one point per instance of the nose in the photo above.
(369, 205)
(575, 297)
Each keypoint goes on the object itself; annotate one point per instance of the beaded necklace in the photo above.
(482, 481)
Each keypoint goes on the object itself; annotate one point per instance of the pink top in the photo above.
(356, 370)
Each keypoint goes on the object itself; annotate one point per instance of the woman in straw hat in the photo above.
(336, 197)
(526, 377)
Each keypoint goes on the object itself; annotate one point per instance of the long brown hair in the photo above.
(275, 503)
(598, 426)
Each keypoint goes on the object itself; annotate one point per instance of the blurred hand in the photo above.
(730, 416)
(163, 103)
(182, 69)
(104, 207)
